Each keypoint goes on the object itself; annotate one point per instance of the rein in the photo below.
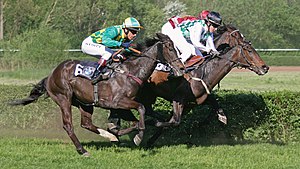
(138, 80)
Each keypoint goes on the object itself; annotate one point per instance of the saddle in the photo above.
(194, 60)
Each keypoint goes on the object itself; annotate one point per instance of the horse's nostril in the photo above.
(265, 67)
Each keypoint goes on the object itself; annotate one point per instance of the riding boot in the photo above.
(98, 72)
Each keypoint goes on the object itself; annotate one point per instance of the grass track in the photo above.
(40, 153)
(272, 81)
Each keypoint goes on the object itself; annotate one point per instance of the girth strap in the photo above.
(96, 96)
(138, 80)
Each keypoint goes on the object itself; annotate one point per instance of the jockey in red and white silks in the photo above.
(191, 36)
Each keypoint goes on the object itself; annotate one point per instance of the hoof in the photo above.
(86, 154)
(137, 140)
(222, 118)
(108, 135)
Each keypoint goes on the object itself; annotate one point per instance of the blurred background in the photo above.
(41, 30)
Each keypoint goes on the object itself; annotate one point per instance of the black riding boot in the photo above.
(98, 72)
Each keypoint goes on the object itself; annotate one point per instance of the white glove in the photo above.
(214, 53)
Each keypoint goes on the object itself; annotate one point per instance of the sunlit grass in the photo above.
(42, 153)
(272, 81)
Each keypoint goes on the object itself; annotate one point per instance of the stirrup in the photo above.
(97, 79)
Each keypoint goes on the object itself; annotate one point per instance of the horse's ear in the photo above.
(223, 48)
(222, 28)
(162, 37)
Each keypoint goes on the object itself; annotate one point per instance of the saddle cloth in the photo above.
(162, 67)
(85, 69)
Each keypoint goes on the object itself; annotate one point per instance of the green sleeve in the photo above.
(108, 37)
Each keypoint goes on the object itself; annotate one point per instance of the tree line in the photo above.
(268, 24)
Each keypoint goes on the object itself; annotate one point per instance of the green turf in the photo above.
(42, 153)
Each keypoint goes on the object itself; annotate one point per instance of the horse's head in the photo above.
(248, 57)
(170, 55)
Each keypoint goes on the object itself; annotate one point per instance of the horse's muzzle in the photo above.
(263, 70)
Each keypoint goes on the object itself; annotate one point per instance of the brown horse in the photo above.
(118, 92)
(197, 85)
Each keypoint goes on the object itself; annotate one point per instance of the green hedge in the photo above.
(257, 117)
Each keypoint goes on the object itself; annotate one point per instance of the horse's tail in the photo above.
(37, 91)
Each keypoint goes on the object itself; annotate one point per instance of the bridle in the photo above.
(160, 50)
(244, 45)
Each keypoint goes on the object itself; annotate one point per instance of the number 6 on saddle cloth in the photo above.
(87, 69)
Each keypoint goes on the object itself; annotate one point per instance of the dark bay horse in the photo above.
(118, 92)
(197, 85)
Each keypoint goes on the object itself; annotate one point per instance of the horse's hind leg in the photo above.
(65, 106)
(155, 136)
(86, 122)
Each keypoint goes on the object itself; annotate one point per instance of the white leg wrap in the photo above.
(108, 135)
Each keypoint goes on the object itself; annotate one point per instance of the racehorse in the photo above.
(195, 88)
(118, 92)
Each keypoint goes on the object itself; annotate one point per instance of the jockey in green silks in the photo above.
(101, 43)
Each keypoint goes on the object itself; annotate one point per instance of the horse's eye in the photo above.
(170, 46)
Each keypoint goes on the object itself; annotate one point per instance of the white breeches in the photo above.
(95, 49)
(186, 49)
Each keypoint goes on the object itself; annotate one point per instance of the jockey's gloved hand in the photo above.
(119, 58)
(214, 53)
(126, 44)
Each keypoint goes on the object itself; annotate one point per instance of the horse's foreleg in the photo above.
(86, 122)
(211, 100)
(114, 125)
(176, 118)
(128, 104)
(177, 112)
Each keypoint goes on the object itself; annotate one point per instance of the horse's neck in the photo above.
(143, 66)
(216, 69)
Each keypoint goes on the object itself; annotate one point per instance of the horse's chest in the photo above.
(199, 93)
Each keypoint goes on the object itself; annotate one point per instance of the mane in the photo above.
(223, 48)
(148, 42)
(224, 28)
(142, 46)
